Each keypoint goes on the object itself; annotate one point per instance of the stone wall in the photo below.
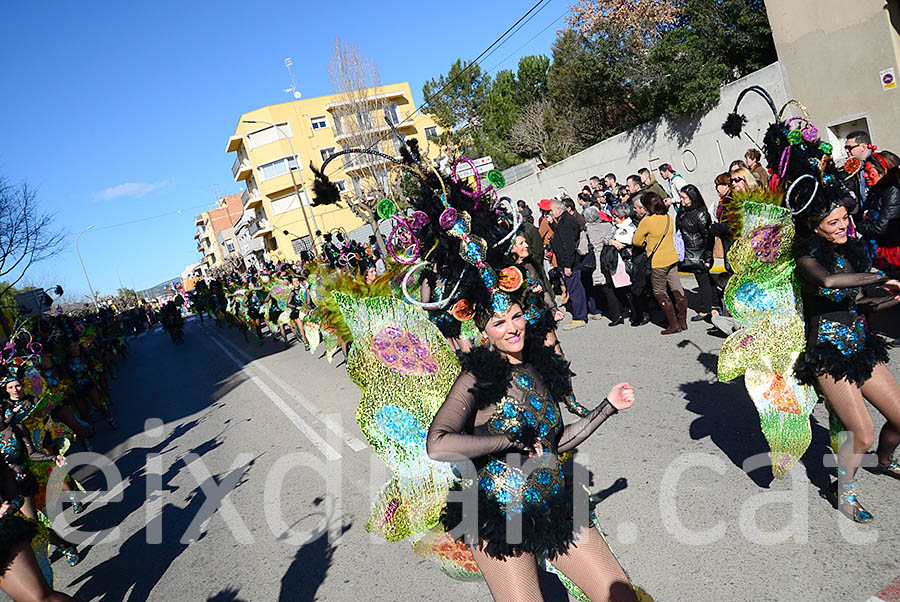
(695, 146)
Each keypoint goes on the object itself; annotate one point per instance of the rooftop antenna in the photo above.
(218, 197)
(293, 89)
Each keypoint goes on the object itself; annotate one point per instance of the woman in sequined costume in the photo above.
(502, 411)
(20, 574)
(17, 447)
(843, 359)
(541, 312)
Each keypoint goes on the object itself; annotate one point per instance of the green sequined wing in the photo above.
(405, 368)
(763, 295)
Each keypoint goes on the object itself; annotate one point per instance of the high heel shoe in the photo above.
(891, 469)
(849, 505)
(71, 555)
(77, 507)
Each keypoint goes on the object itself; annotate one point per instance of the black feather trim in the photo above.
(733, 125)
(493, 374)
(824, 358)
(547, 528)
(13, 529)
(325, 192)
(826, 254)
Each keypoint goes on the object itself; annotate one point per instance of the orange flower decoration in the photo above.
(852, 165)
(510, 279)
(462, 310)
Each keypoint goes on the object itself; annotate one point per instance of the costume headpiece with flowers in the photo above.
(802, 165)
(462, 228)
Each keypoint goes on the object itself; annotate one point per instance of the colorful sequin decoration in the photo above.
(763, 296)
(404, 368)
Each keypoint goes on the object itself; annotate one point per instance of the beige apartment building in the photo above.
(274, 221)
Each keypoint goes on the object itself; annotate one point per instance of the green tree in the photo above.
(455, 101)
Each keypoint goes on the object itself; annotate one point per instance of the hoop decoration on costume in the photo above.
(787, 195)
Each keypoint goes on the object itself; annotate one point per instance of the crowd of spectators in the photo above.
(617, 251)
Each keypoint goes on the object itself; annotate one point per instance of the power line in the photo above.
(487, 50)
(152, 217)
(551, 24)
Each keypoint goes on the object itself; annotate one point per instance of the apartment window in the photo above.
(319, 122)
(269, 134)
(327, 152)
(391, 113)
(277, 168)
(431, 132)
(285, 203)
(341, 185)
(301, 244)
(229, 244)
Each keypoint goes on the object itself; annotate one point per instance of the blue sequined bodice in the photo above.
(533, 411)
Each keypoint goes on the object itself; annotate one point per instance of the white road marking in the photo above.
(328, 420)
(329, 452)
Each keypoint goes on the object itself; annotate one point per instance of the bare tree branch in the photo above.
(26, 235)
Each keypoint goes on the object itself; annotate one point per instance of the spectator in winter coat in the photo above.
(859, 145)
(674, 183)
(600, 231)
(564, 245)
(649, 183)
(693, 221)
(880, 224)
(753, 157)
(656, 234)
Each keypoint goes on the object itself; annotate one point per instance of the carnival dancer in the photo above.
(21, 576)
(80, 371)
(17, 448)
(842, 358)
(540, 308)
(501, 409)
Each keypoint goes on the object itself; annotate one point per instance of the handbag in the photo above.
(678, 240)
(589, 258)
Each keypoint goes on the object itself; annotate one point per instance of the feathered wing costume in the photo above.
(402, 362)
(764, 292)
(763, 296)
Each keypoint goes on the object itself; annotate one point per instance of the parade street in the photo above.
(258, 484)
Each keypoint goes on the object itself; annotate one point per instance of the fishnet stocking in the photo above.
(848, 401)
(589, 564)
(883, 392)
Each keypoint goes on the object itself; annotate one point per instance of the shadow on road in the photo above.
(226, 595)
(309, 568)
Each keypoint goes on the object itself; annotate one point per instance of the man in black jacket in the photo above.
(858, 145)
(564, 244)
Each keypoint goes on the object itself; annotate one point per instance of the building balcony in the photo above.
(199, 248)
(198, 220)
(260, 227)
(340, 133)
(234, 143)
(197, 234)
(241, 169)
(361, 162)
(347, 101)
(251, 200)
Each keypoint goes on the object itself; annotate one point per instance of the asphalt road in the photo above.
(685, 520)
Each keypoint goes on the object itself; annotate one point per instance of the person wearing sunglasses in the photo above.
(859, 146)
(742, 180)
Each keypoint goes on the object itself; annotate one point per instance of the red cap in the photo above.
(544, 204)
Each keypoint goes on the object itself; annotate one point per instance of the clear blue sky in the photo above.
(120, 111)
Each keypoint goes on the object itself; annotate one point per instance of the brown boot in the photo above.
(681, 307)
(669, 310)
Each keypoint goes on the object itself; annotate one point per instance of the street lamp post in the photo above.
(84, 269)
(312, 238)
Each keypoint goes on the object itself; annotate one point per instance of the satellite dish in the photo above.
(296, 95)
